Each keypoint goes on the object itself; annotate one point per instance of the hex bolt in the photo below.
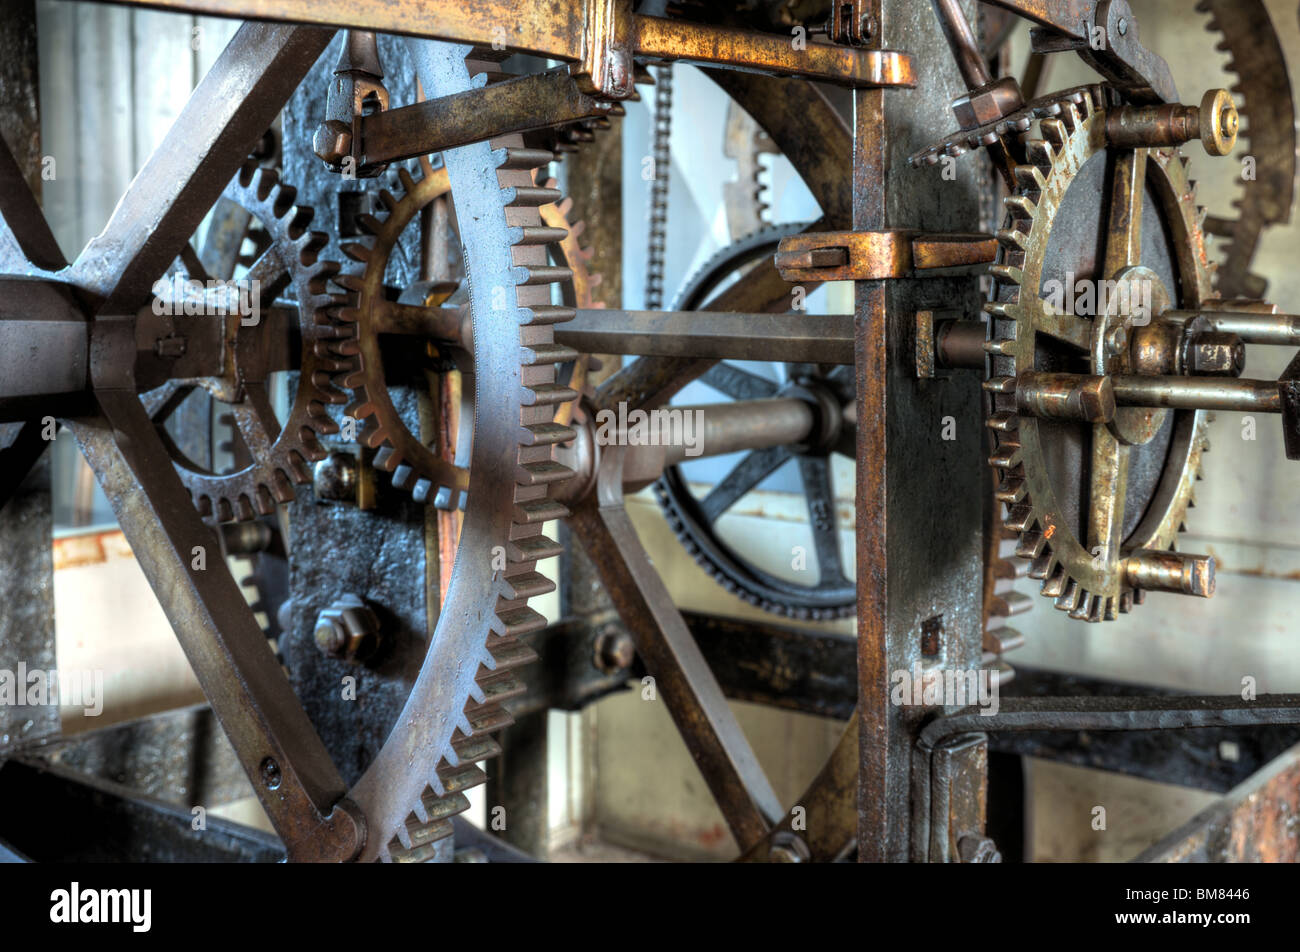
(788, 847)
(1217, 355)
(270, 772)
(614, 650)
(332, 142)
(348, 630)
(978, 849)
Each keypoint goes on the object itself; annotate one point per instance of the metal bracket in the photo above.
(879, 255)
(606, 65)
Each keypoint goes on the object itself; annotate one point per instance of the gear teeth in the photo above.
(533, 196)
(1068, 600)
(1011, 492)
(534, 354)
(1006, 458)
(542, 473)
(1055, 584)
(546, 434)
(545, 394)
(540, 235)
(521, 159)
(538, 511)
(1020, 518)
(546, 314)
(534, 275)
(528, 585)
(533, 549)
(1031, 545)
(1055, 132)
(1021, 208)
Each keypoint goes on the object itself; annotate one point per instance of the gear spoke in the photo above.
(1108, 485)
(739, 384)
(1073, 330)
(815, 472)
(749, 472)
(25, 236)
(233, 105)
(1124, 222)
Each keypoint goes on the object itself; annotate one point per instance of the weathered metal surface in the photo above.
(713, 335)
(799, 670)
(1256, 822)
(299, 784)
(70, 818)
(1125, 713)
(523, 104)
(568, 30)
(903, 467)
(1207, 758)
(682, 676)
(181, 757)
(877, 255)
(26, 520)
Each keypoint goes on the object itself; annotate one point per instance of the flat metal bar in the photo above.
(712, 335)
(24, 222)
(552, 29)
(523, 104)
(555, 30)
(1159, 712)
(1253, 823)
(231, 108)
(297, 783)
(679, 40)
(682, 677)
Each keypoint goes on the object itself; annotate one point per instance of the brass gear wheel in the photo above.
(279, 455)
(1081, 497)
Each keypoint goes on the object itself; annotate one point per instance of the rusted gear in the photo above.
(1021, 121)
(1264, 86)
(1052, 232)
(278, 455)
(416, 465)
(417, 781)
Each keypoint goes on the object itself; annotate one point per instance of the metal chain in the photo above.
(654, 289)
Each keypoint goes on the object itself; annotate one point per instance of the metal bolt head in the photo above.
(334, 478)
(1217, 355)
(348, 630)
(1218, 122)
(788, 847)
(614, 650)
(978, 849)
(270, 773)
(331, 637)
(332, 142)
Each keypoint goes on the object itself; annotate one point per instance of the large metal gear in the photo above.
(415, 783)
(1141, 468)
(1264, 87)
(278, 455)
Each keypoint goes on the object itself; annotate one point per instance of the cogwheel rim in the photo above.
(1086, 586)
(277, 462)
(416, 782)
(1268, 106)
